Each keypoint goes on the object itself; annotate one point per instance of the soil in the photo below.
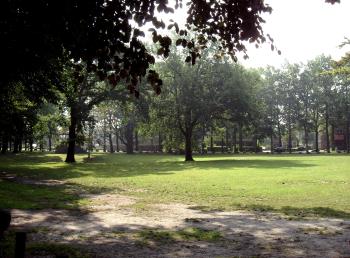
(109, 227)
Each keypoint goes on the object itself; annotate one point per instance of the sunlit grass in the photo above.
(293, 184)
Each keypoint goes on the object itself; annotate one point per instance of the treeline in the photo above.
(213, 101)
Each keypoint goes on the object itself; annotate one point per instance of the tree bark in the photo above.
(211, 141)
(129, 135)
(111, 149)
(117, 139)
(104, 135)
(222, 145)
(332, 138)
(188, 145)
(70, 158)
(136, 141)
(279, 135)
(271, 143)
(50, 142)
(4, 146)
(234, 140)
(240, 135)
(160, 140)
(347, 137)
(327, 131)
(306, 139)
(316, 139)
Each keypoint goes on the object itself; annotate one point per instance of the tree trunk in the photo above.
(240, 135)
(327, 132)
(347, 137)
(129, 135)
(234, 140)
(50, 142)
(222, 145)
(72, 135)
(279, 135)
(227, 140)
(31, 143)
(4, 146)
(104, 135)
(306, 139)
(271, 143)
(211, 141)
(111, 149)
(332, 137)
(160, 140)
(117, 139)
(136, 141)
(188, 145)
(316, 139)
(289, 138)
(15, 144)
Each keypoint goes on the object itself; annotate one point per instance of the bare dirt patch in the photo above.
(111, 228)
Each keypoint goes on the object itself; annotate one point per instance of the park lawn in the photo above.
(302, 185)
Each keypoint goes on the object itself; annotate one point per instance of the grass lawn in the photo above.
(317, 185)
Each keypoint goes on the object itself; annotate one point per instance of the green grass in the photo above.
(297, 185)
(187, 234)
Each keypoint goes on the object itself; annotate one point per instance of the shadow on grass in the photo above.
(296, 212)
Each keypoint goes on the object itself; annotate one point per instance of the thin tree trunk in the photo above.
(271, 143)
(31, 143)
(15, 144)
(316, 139)
(347, 137)
(4, 146)
(332, 137)
(117, 139)
(289, 137)
(240, 135)
(50, 142)
(227, 139)
(160, 140)
(279, 135)
(129, 135)
(306, 135)
(104, 135)
(222, 145)
(211, 141)
(234, 140)
(136, 141)
(72, 135)
(327, 131)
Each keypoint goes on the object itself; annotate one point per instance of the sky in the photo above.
(301, 29)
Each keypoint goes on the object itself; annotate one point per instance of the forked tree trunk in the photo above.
(72, 135)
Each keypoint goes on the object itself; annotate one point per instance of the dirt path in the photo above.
(110, 229)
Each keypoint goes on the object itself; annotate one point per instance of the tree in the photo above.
(82, 92)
